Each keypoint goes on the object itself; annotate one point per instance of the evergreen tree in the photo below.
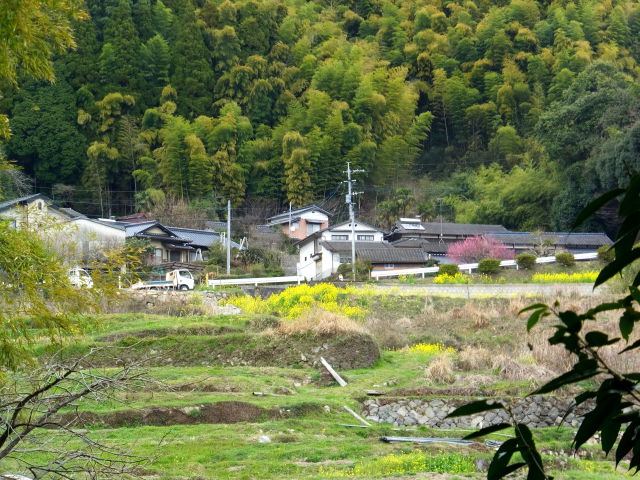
(191, 75)
(296, 162)
(120, 32)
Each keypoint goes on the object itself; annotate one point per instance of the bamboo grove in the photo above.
(511, 112)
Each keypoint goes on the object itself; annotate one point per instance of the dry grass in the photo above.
(517, 371)
(474, 358)
(440, 370)
(389, 337)
(479, 315)
(319, 322)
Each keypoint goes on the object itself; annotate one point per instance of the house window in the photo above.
(175, 256)
(389, 265)
(158, 253)
(345, 258)
(312, 228)
(339, 237)
(365, 238)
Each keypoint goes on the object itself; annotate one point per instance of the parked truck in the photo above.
(80, 278)
(179, 279)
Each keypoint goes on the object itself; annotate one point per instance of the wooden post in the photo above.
(333, 373)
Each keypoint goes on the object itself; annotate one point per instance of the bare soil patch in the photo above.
(219, 412)
(344, 352)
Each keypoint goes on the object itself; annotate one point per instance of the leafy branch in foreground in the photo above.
(613, 396)
(38, 420)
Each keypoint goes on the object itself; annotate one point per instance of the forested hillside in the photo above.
(500, 112)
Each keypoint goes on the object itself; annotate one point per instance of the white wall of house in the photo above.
(93, 238)
(307, 265)
(364, 233)
(35, 213)
(330, 261)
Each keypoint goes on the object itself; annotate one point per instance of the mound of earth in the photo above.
(219, 412)
(167, 332)
(344, 352)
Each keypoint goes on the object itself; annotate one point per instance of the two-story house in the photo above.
(321, 253)
(301, 222)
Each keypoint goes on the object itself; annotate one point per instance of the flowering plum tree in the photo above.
(474, 249)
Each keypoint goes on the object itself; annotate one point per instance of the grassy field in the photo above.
(203, 371)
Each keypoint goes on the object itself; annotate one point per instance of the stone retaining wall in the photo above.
(536, 411)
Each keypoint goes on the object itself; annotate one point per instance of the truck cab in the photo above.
(181, 279)
(80, 278)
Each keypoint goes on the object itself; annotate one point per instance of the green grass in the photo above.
(310, 442)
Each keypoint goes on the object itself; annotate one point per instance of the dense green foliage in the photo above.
(448, 269)
(526, 260)
(566, 258)
(489, 266)
(514, 110)
(612, 399)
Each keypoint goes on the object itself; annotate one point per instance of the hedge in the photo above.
(566, 258)
(489, 265)
(526, 260)
(449, 269)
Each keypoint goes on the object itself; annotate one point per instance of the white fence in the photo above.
(469, 267)
(254, 281)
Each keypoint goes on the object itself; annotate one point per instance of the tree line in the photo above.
(516, 112)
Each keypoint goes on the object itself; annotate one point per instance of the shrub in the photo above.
(578, 277)
(566, 258)
(606, 254)
(295, 301)
(458, 278)
(430, 348)
(474, 249)
(448, 269)
(489, 265)
(526, 260)
(363, 270)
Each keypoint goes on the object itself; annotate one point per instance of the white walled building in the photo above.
(318, 255)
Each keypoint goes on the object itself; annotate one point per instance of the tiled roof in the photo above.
(295, 214)
(427, 246)
(379, 252)
(564, 239)
(200, 238)
(71, 212)
(446, 228)
(460, 228)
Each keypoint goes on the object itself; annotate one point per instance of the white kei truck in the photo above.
(180, 279)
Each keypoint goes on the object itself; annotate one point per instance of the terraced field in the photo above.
(232, 397)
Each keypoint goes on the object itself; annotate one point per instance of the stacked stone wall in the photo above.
(535, 411)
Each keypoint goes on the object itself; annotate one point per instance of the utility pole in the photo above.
(352, 217)
(228, 237)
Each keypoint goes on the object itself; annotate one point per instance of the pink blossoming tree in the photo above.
(474, 249)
